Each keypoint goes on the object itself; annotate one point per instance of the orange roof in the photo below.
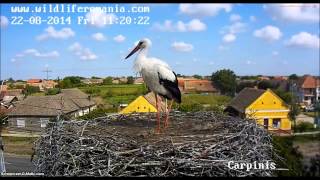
(310, 82)
(34, 81)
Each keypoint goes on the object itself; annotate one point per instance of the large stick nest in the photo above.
(195, 144)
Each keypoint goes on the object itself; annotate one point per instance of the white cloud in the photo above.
(202, 10)
(304, 39)
(81, 52)
(120, 38)
(50, 32)
(222, 48)
(248, 62)
(235, 17)
(195, 25)
(182, 46)
(99, 37)
(294, 12)
(269, 33)
(228, 38)
(253, 19)
(275, 53)
(211, 63)
(4, 21)
(35, 53)
(234, 28)
(100, 19)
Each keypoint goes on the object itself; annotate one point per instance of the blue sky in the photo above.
(250, 39)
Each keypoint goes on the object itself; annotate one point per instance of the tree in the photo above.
(10, 80)
(130, 80)
(107, 80)
(95, 77)
(285, 96)
(31, 90)
(293, 77)
(53, 91)
(70, 82)
(197, 76)
(225, 81)
(294, 112)
(265, 85)
(245, 84)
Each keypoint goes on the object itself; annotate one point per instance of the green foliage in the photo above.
(10, 86)
(265, 85)
(52, 91)
(2, 120)
(10, 80)
(200, 102)
(70, 82)
(304, 126)
(293, 77)
(225, 80)
(249, 77)
(107, 80)
(245, 84)
(97, 113)
(31, 90)
(94, 77)
(197, 76)
(130, 80)
(285, 96)
(292, 157)
(92, 91)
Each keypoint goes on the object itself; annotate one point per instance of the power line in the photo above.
(47, 71)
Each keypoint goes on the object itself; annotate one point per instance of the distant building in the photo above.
(33, 113)
(34, 82)
(192, 85)
(308, 89)
(280, 78)
(49, 84)
(138, 80)
(262, 78)
(264, 106)
(92, 81)
(142, 104)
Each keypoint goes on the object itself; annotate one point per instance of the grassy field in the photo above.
(116, 94)
(18, 145)
(311, 114)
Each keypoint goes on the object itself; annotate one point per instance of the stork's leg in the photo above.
(158, 114)
(166, 123)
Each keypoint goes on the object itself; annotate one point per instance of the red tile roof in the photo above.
(34, 81)
(310, 82)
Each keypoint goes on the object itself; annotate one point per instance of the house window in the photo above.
(21, 122)
(276, 123)
(44, 122)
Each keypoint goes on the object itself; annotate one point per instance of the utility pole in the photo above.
(47, 71)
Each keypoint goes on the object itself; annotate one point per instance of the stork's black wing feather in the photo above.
(172, 87)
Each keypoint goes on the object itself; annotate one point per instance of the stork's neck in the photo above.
(140, 60)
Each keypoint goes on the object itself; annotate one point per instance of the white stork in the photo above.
(158, 76)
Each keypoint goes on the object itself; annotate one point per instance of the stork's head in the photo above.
(142, 44)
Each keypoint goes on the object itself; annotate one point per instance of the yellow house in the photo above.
(143, 104)
(264, 106)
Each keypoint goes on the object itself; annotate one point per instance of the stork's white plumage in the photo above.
(157, 75)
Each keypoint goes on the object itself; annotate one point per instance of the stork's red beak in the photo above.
(134, 50)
